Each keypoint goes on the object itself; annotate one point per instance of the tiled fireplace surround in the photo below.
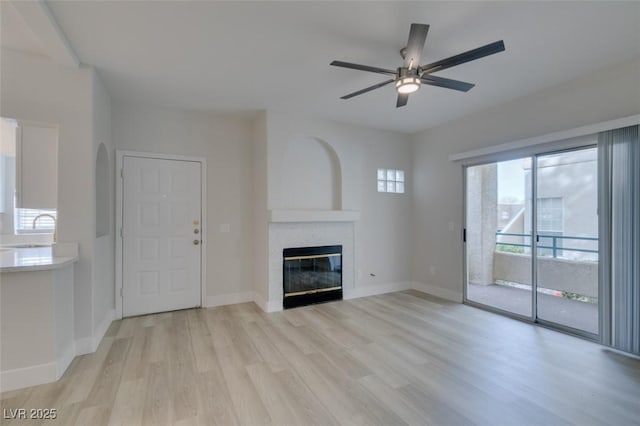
(308, 234)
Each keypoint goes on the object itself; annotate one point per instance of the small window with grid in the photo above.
(391, 180)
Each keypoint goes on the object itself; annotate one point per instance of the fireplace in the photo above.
(311, 275)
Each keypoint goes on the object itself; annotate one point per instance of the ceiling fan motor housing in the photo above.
(408, 80)
(406, 72)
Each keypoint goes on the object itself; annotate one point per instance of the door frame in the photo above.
(120, 155)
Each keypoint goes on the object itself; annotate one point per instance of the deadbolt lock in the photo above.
(196, 231)
(196, 242)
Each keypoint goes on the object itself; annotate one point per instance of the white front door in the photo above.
(161, 224)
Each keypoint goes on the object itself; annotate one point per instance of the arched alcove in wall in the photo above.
(311, 177)
(102, 191)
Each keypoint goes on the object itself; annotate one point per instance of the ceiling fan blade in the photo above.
(415, 45)
(367, 89)
(403, 98)
(432, 80)
(362, 67)
(471, 55)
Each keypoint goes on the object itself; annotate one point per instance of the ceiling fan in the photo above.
(411, 74)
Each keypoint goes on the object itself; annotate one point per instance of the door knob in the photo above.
(196, 242)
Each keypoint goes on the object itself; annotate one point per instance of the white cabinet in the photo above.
(37, 166)
(36, 322)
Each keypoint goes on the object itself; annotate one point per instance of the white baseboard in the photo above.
(84, 346)
(101, 329)
(63, 362)
(372, 290)
(260, 301)
(45, 373)
(443, 293)
(273, 306)
(88, 345)
(267, 306)
(29, 376)
(230, 299)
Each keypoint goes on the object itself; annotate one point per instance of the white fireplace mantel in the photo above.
(292, 216)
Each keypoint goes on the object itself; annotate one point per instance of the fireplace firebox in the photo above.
(311, 275)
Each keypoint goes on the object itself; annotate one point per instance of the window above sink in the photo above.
(25, 221)
(28, 181)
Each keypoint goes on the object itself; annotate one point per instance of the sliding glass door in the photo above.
(567, 239)
(536, 261)
(498, 237)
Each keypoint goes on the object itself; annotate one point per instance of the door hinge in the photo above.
(122, 173)
(464, 235)
(120, 292)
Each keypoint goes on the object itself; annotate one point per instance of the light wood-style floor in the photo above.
(402, 358)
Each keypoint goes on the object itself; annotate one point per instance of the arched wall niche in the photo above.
(311, 176)
(102, 191)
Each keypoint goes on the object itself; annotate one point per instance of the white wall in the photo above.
(104, 246)
(310, 173)
(383, 233)
(226, 143)
(35, 88)
(611, 93)
(260, 218)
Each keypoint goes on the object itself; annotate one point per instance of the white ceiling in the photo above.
(246, 56)
(15, 33)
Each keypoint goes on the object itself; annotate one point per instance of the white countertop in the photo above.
(34, 259)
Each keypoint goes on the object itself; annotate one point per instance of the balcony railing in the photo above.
(555, 247)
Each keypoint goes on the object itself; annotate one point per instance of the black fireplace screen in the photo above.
(310, 271)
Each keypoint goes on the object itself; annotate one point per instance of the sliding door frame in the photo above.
(534, 237)
(534, 319)
(465, 299)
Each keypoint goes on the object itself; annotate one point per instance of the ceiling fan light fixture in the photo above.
(410, 75)
(407, 84)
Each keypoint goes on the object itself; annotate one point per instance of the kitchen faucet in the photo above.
(35, 219)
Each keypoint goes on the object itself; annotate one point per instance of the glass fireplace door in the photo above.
(311, 275)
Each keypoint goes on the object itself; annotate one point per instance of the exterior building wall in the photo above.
(572, 177)
(482, 205)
